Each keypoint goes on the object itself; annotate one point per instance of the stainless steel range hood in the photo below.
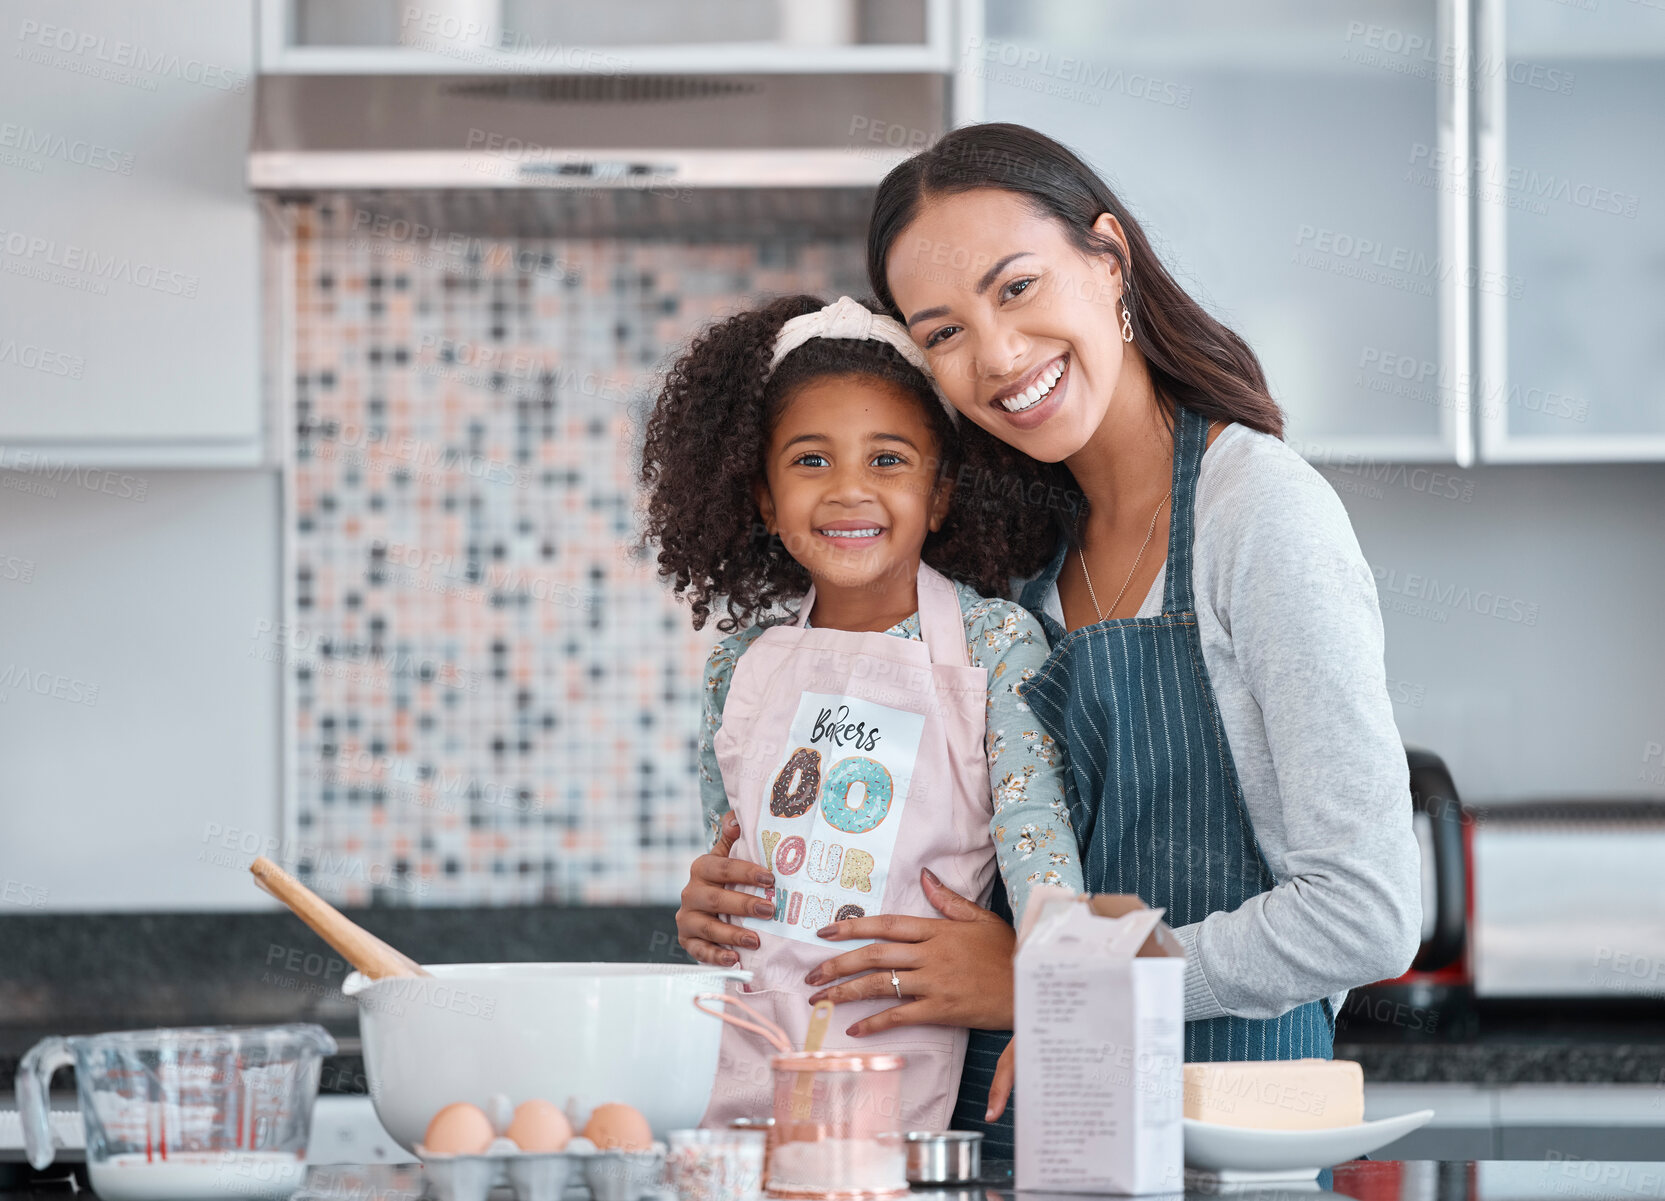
(654, 133)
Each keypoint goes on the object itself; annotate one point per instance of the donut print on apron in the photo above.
(852, 761)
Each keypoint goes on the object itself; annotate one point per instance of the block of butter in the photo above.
(1276, 1094)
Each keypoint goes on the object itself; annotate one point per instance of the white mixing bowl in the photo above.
(590, 1032)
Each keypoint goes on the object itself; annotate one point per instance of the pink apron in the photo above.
(853, 760)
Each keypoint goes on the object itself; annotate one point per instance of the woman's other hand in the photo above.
(1005, 1073)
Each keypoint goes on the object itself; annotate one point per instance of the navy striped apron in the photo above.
(1156, 801)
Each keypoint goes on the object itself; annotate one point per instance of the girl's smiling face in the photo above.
(1021, 328)
(851, 484)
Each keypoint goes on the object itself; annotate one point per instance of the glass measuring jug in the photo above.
(207, 1111)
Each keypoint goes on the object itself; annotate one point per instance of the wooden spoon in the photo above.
(357, 945)
(803, 1089)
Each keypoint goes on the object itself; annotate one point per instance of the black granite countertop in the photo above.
(83, 973)
(1512, 1042)
(1380, 1180)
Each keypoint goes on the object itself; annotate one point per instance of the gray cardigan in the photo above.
(1292, 638)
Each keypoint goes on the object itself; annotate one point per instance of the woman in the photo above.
(1224, 706)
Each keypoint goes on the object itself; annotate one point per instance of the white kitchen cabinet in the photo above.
(1282, 158)
(129, 246)
(140, 695)
(1570, 201)
(639, 37)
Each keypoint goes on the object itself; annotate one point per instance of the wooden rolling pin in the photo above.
(357, 945)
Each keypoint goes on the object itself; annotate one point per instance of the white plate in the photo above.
(1237, 1152)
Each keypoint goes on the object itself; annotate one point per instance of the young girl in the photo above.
(801, 451)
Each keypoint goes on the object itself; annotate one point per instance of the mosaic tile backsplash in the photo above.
(496, 698)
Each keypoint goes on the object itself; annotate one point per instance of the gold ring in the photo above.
(896, 983)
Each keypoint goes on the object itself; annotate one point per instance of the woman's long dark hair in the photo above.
(1195, 361)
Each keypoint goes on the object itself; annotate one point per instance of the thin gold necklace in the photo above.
(1082, 555)
(1102, 613)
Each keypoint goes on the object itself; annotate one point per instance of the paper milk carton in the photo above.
(1100, 1028)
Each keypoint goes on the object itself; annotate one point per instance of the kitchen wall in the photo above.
(497, 700)
(494, 700)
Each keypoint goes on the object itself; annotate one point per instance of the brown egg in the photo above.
(539, 1126)
(459, 1129)
(619, 1128)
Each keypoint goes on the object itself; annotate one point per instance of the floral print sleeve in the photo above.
(1033, 839)
(719, 673)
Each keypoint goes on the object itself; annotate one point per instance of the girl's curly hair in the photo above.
(704, 453)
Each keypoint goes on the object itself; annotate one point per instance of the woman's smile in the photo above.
(1036, 396)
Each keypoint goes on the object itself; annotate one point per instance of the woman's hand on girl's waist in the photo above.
(955, 970)
(710, 891)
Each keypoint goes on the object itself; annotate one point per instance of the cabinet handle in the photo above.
(1491, 255)
(1455, 107)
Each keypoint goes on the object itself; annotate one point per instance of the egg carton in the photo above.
(544, 1175)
